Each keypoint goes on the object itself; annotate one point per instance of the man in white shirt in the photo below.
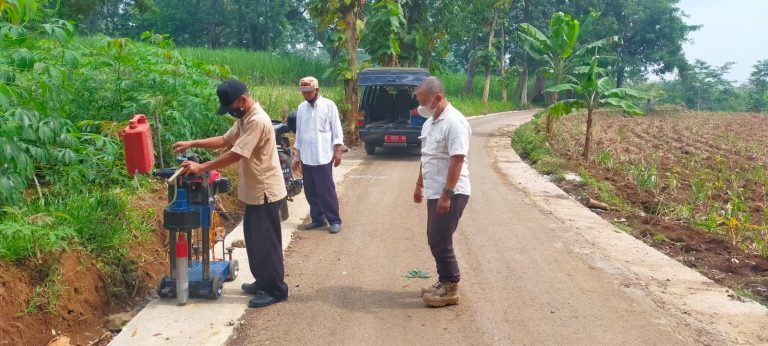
(444, 182)
(319, 142)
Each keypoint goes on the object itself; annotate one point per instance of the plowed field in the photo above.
(694, 185)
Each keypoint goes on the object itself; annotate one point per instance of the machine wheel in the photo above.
(165, 292)
(216, 287)
(234, 269)
(370, 148)
(284, 210)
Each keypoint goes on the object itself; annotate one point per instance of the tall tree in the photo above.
(707, 88)
(344, 16)
(429, 25)
(471, 65)
(491, 50)
(503, 64)
(652, 33)
(477, 19)
(110, 17)
(257, 24)
(385, 30)
(521, 90)
(758, 87)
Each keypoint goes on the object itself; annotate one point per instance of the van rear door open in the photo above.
(387, 107)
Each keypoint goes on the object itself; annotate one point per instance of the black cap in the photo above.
(228, 92)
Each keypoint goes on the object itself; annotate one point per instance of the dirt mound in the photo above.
(66, 295)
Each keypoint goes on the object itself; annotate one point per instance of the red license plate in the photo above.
(394, 139)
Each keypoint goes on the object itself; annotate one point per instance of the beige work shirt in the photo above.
(261, 176)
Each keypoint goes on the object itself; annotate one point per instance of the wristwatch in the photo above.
(448, 192)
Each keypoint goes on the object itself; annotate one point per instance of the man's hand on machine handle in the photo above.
(192, 167)
(182, 146)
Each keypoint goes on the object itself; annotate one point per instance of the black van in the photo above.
(388, 105)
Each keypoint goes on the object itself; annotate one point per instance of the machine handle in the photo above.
(172, 179)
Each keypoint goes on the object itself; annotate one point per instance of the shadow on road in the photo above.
(395, 154)
(359, 299)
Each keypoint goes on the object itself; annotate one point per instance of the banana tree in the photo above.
(591, 93)
(560, 52)
(385, 30)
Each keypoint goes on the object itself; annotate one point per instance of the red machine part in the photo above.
(182, 275)
(138, 146)
(182, 247)
(214, 175)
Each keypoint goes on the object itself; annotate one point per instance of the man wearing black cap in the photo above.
(261, 187)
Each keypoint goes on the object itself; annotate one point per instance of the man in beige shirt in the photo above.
(261, 187)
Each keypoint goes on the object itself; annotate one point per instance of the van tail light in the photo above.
(361, 119)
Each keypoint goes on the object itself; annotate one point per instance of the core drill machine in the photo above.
(190, 214)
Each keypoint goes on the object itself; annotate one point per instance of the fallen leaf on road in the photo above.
(414, 274)
(417, 274)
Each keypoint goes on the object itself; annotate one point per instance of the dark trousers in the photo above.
(440, 229)
(264, 244)
(321, 193)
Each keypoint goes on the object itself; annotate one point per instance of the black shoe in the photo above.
(335, 228)
(313, 225)
(262, 299)
(252, 288)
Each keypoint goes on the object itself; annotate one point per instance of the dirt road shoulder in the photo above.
(636, 267)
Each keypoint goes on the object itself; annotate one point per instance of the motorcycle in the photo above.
(285, 154)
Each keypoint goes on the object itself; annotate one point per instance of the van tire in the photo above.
(370, 148)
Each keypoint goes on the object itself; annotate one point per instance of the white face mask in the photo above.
(426, 111)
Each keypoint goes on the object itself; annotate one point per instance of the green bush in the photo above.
(31, 236)
(64, 101)
(551, 166)
(97, 221)
(530, 143)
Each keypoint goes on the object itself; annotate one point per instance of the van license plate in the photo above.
(394, 139)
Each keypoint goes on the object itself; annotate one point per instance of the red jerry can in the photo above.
(138, 146)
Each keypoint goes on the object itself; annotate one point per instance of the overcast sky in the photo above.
(733, 30)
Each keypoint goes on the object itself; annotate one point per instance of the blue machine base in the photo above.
(198, 287)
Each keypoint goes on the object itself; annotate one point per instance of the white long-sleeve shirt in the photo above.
(318, 130)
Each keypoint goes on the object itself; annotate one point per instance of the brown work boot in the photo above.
(430, 289)
(446, 294)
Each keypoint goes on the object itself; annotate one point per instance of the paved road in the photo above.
(525, 276)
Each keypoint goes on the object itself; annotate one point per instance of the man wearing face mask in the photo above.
(319, 142)
(261, 187)
(444, 182)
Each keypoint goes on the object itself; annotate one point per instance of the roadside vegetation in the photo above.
(80, 238)
(64, 102)
(273, 79)
(692, 184)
